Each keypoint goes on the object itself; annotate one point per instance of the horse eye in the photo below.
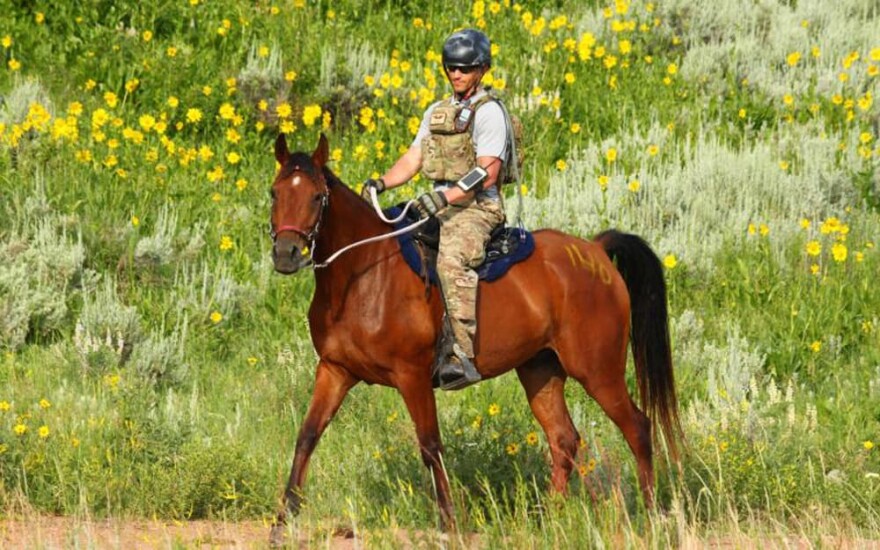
(318, 197)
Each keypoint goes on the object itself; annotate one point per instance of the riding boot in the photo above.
(456, 371)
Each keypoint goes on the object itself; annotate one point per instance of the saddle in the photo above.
(507, 246)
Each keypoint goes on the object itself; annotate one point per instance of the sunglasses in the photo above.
(467, 69)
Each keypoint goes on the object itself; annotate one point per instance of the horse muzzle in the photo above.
(288, 257)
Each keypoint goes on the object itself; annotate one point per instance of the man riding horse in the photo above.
(465, 130)
(568, 309)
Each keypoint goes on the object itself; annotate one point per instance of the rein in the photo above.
(312, 235)
(374, 202)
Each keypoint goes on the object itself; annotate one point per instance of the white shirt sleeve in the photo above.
(490, 131)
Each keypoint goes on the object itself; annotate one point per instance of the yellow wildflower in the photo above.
(216, 174)
(193, 115)
(310, 114)
(227, 111)
(111, 99)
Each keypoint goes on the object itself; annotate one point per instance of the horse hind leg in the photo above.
(636, 428)
(543, 380)
(601, 372)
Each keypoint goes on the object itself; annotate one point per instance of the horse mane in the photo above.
(303, 161)
(299, 161)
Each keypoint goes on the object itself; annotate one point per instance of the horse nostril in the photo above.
(284, 251)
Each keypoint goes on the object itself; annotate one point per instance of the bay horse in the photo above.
(566, 311)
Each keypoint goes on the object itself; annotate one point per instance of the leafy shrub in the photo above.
(105, 324)
(41, 270)
(160, 359)
(262, 78)
(207, 480)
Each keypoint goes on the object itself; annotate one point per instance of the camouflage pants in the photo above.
(464, 232)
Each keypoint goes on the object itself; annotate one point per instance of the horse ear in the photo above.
(322, 152)
(281, 152)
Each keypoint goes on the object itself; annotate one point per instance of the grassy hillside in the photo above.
(153, 364)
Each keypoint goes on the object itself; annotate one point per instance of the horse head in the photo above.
(299, 198)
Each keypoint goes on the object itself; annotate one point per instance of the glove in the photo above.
(428, 204)
(378, 185)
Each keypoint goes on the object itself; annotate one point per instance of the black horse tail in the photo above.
(643, 274)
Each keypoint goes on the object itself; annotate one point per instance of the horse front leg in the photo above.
(418, 395)
(331, 386)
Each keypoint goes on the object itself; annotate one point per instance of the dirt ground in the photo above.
(66, 532)
(47, 532)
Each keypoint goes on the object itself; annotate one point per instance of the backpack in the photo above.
(516, 154)
(513, 164)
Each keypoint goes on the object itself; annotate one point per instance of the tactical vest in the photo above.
(448, 151)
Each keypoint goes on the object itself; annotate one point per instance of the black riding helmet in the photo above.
(467, 48)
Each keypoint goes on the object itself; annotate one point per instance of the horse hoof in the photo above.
(448, 526)
(277, 535)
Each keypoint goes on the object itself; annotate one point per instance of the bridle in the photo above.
(311, 235)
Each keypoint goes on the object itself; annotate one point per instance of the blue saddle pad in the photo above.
(508, 246)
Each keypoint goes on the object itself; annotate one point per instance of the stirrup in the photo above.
(456, 371)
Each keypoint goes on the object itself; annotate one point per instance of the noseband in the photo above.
(311, 235)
